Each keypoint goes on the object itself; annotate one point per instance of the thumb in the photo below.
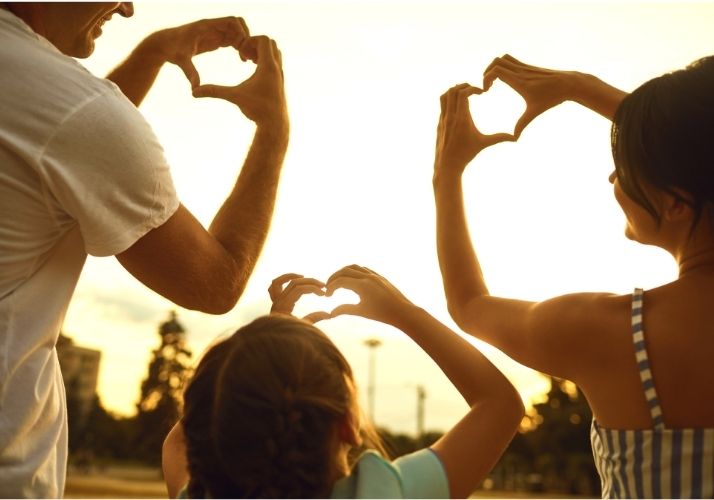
(345, 309)
(190, 71)
(217, 91)
(317, 316)
(528, 115)
(497, 138)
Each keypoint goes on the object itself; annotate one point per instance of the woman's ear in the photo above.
(677, 207)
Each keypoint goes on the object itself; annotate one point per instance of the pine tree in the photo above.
(552, 453)
(561, 440)
(160, 404)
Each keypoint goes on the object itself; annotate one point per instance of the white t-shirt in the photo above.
(81, 172)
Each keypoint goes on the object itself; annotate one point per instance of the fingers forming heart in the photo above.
(497, 110)
(217, 68)
(317, 306)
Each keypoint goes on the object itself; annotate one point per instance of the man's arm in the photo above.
(137, 73)
(208, 270)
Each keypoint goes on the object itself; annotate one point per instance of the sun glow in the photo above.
(363, 81)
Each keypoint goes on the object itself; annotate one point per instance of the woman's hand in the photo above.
(541, 88)
(287, 289)
(458, 141)
(379, 299)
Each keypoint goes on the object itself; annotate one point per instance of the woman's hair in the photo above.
(663, 137)
(261, 413)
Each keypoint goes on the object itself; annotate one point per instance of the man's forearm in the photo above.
(137, 73)
(243, 221)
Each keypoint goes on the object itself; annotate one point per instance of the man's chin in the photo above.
(84, 50)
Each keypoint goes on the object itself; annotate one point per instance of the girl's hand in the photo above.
(379, 299)
(458, 141)
(541, 88)
(287, 289)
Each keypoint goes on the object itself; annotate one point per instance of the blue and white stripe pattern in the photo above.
(657, 462)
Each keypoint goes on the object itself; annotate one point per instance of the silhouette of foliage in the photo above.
(160, 404)
(554, 456)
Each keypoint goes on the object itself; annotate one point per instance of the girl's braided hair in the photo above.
(262, 413)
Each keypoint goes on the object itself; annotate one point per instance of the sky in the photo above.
(363, 80)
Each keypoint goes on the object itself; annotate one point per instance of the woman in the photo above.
(641, 359)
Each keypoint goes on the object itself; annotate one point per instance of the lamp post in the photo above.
(421, 396)
(372, 344)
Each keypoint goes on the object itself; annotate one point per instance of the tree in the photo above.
(562, 441)
(555, 454)
(160, 404)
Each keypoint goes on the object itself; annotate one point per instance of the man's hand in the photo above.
(458, 141)
(180, 44)
(137, 73)
(262, 96)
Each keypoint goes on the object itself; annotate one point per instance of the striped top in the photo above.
(657, 462)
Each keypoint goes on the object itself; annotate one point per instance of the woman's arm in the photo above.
(554, 336)
(544, 88)
(471, 449)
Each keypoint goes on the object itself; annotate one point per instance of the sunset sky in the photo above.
(363, 81)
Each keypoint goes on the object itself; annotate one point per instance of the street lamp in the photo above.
(421, 396)
(372, 344)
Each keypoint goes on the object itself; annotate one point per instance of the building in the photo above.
(80, 370)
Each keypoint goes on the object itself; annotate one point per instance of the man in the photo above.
(81, 172)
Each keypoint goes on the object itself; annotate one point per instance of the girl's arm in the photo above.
(554, 336)
(471, 449)
(544, 88)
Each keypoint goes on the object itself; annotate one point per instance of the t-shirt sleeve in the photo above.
(106, 169)
(423, 475)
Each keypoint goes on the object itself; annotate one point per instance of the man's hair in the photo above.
(262, 410)
(663, 137)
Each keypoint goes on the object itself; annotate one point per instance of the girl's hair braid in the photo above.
(262, 413)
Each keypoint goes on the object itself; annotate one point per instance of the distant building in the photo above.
(80, 369)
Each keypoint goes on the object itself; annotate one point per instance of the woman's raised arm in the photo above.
(544, 88)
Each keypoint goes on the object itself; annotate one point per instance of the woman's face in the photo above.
(640, 225)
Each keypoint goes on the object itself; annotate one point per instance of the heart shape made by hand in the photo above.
(309, 304)
(497, 109)
(219, 67)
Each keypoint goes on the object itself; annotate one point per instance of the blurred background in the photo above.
(363, 80)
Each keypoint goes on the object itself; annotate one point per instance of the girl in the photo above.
(641, 360)
(272, 411)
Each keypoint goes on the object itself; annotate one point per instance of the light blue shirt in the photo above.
(417, 475)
